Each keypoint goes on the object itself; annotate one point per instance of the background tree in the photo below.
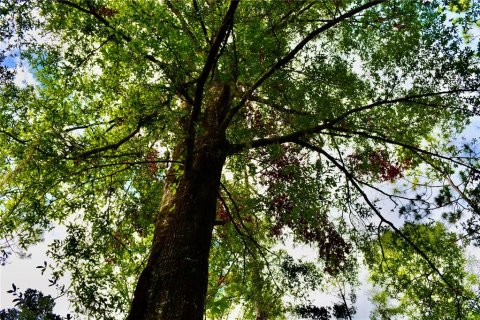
(30, 305)
(409, 283)
(165, 136)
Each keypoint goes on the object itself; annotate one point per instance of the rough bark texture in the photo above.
(174, 282)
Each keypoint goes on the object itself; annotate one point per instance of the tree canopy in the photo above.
(180, 141)
(31, 305)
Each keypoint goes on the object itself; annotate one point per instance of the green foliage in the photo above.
(92, 145)
(407, 285)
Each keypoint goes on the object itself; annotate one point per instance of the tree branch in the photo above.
(107, 147)
(243, 236)
(165, 67)
(273, 105)
(96, 15)
(353, 180)
(131, 163)
(202, 23)
(12, 136)
(292, 13)
(85, 126)
(184, 24)
(409, 99)
(328, 124)
(289, 56)
(402, 144)
(472, 204)
(259, 247)
(209, 64)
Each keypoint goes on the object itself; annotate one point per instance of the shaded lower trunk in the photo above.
(173, 284)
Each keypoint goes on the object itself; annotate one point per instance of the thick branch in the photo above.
(209, 63)
(207, 68)
(289, 56)
(329, 124)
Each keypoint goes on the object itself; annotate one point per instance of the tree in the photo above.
(31, 305)
(420, 293)
(178, 142)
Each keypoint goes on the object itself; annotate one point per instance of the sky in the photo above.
(23, 272)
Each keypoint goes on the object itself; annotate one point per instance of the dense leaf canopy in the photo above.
(338, 115)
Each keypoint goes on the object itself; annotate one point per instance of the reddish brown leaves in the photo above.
(281, 168)
(378, 162)
(105, 12)
(222, 214)
(152, 164)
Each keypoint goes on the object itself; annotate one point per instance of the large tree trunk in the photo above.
(173, 284)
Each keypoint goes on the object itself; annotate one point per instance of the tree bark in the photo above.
(173, 285)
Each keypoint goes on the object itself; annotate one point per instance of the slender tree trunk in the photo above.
(173, 284)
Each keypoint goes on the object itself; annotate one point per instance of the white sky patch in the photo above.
(24, 75)
(23, 272)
